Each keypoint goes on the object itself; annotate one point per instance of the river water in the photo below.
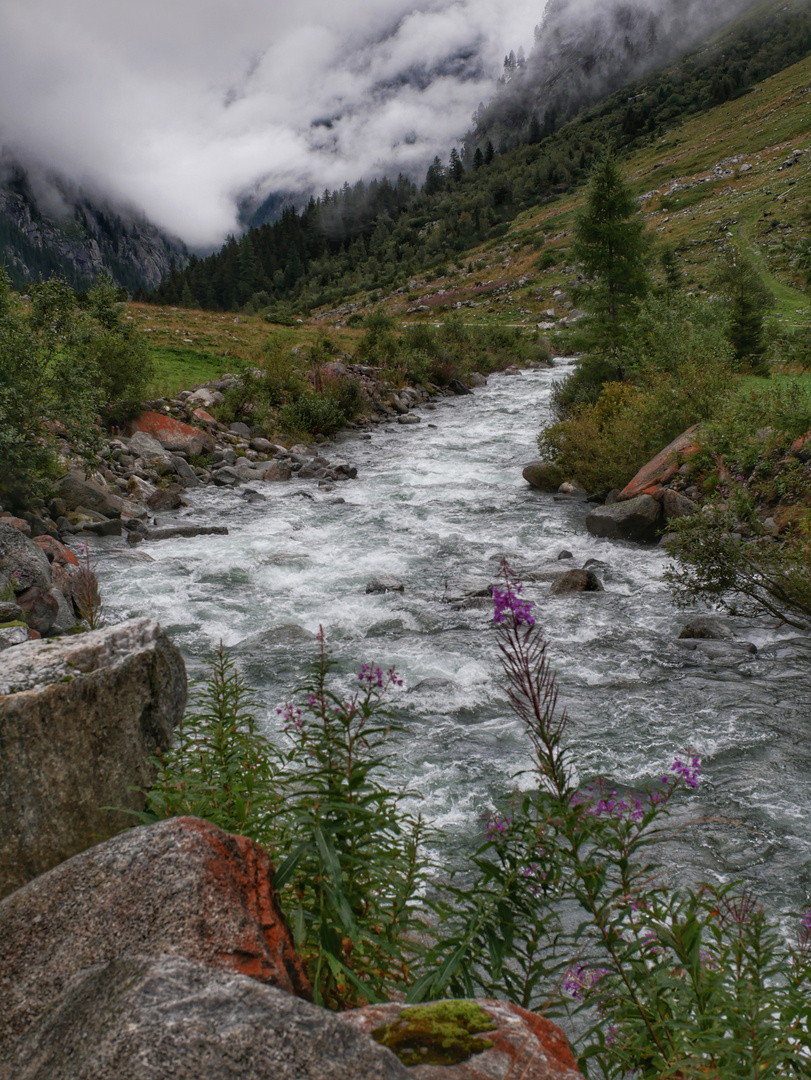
(437, 505)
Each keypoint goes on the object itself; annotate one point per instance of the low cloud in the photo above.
(183, 109)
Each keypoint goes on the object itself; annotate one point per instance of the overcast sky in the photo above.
(179, 106)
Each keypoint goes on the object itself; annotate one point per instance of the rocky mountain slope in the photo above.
(49, 225)
(584, 51)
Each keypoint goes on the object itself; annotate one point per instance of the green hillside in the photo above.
(365, 241)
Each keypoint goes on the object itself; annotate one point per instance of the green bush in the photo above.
(679, 372)
(311, 413)
(62, 369)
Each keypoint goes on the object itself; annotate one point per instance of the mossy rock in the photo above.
(440, 1034)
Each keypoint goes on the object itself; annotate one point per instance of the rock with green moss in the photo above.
(445, 1033)
(469, 1040)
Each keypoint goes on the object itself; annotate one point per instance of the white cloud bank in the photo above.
(180, 106)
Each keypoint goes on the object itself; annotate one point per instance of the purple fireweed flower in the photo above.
(578, 980)
(496, 825)
(688, 770)
(506, 601)
(291, 715)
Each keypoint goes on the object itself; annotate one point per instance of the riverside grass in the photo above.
(669, 981)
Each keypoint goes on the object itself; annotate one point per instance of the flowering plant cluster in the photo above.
(563, 906)
(671, 981)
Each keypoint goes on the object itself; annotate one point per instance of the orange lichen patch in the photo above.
(662, 468)
(173, 434)
(203, 417)
(523, 1044)
(242, 875)
(56, 552)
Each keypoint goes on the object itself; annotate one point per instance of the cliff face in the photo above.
(50, 226)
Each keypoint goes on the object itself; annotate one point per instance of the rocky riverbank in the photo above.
(174, 446)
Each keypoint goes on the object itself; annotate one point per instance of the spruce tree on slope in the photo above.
(611, 245)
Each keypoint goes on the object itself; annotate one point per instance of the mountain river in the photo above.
(437, 505)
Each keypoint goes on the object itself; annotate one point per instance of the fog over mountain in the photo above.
(183, 110)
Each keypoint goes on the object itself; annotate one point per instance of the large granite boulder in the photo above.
(543, 475)
(80, 719)
(173, 434)
(167, 1018)
(519, 1043)
(635, 519)
(77, 491)
(182, 888)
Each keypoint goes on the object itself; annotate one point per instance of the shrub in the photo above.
(746, 463)
(349, 862)
(678, 373)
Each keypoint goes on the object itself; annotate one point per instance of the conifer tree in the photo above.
(611, 245)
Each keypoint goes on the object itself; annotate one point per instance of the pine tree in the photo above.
(489, 153)
(455, 167)
(748, 299)
(478, 158)
(611, 245)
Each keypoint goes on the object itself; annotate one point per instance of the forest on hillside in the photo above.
(377, 235)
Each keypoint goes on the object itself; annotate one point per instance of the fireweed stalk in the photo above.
(672, 982)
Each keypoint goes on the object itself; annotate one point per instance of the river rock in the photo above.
(384, 583)
(75, 490)
(477, 379)
(168, 498)
(283, 635)
(728, 652)
(23, 561)
(10, 611)
(18, 523)
(167, 1018)
(108, 527)
(525, 1045)
(663, 467)
(186, 474)
(676, 505)
(171, 532)
(276, 471)
(226, 477)
(55, 552)
(83, 715)
(205, 397)
(182, 887)
(173, 434)
(238, 428)
(408, 419)
(146, 447)
(40, 609)
(543, 475)
(565, 554)
(262, 446)
(459, 387)
(635, 519)
(704, 626)
(576, 581)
